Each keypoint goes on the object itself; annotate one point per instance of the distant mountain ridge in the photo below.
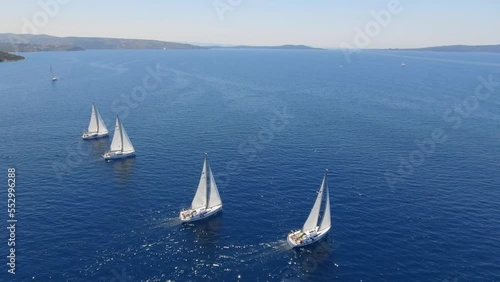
(27, 47)
(10, 42)
(44, 42)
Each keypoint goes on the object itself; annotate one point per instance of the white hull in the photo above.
(93, 135)
(297, 239)
(114, 155)
(191, 215)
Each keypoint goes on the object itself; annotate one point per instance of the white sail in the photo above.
(214, 198)
(102, 129)
(116, 144)
(126, 144)
(326, 220)
(312, 219)
(93, 124)
(121, 142)
(200, 198)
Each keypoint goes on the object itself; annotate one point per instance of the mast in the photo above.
(121, 132)
(326, 220)
(92, 125)
(214, 199)
(200, 197)
(116, 142)
(207, 181)
(96, 117)
(312, 219)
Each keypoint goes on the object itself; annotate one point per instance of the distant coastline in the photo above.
(456, 48)
(281, 47)
(10, 42)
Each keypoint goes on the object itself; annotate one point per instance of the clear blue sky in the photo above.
(321, 23)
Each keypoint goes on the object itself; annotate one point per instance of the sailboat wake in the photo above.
(263, 252)
(169, 222)
(278, 246)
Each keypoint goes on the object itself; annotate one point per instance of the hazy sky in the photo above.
(321, 23)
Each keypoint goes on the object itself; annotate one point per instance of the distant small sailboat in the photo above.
(206, 201)
(97, 128)
(54, 78)
(403, 64)
(121, 147)
(311, 231)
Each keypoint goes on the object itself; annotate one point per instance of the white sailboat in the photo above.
(311, 231)
(96, 128)
(206, 201)
(403, 64)
(54, 78)
(121, 147)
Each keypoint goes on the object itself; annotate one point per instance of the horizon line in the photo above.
(229, 45)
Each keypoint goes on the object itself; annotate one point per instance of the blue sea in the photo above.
(412, 152)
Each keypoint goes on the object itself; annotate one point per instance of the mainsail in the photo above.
(116, 144)
(200, 198)
(93, 124)
(326, 220)
(51, 72)
(312, 219)
(126, 144)
(96, 123)
(121, 142)
(214, 198)
(101, 127)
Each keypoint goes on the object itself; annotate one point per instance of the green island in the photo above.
(7, 57)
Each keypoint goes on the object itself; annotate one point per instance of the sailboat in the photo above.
(206, 201)
(54, 78)
(97, 128)
(121, 147)
(311, 231)
(403, 64)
